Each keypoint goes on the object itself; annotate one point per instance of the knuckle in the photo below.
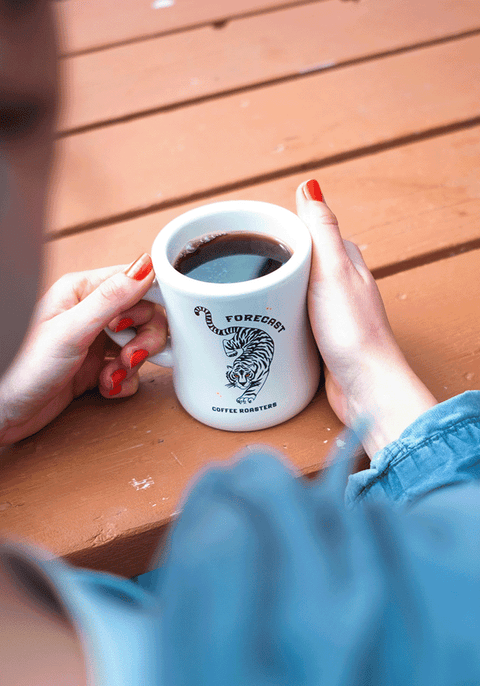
(337, 267)
(130, 387)
(155, 333)
(325, 216)
(113, 290)
(66, 282)
(142, 312)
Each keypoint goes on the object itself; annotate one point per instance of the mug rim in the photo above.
(168, 275)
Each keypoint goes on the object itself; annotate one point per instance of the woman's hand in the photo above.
(66, 351)
(367, 375)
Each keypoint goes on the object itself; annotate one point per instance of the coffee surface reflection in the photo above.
(231, 257)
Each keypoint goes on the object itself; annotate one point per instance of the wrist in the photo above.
(391, 398)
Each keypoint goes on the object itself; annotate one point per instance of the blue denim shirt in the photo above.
(269, 580)
(440, 448)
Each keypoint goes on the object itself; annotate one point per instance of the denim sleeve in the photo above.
(115, 621)
(266, 579)
(269, 580)
(440, 448)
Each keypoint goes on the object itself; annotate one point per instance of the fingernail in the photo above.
(115, 390)
(118, 376)
(311, 190)
(124, 324)
(139, 269)
(138, 357)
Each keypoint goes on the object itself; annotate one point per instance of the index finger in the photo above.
(71, 289)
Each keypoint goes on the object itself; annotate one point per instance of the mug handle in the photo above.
(163, 359)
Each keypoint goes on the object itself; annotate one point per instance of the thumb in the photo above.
(114, 295)
(328, 248)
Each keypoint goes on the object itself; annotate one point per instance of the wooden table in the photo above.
(170, 104)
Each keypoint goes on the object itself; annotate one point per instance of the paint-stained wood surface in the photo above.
(170, 105)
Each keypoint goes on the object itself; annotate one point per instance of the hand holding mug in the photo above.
(242, 350)
(66, 350)
(366, 374)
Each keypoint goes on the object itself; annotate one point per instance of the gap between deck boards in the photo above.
(217, 22)
(303, 167)
(425, 258)
(294, 76)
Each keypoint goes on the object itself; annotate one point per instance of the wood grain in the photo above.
(153, 74)
(400, 204)
(379, 101)
(94, 24)
(80, 483)
(137, 166)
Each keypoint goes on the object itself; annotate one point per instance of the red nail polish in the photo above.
(118, 376)
(124, 324)
(116, 390)
(138, 357)
(312, 190)
(139, 269)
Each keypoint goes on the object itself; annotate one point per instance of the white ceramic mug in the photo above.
(243, 354)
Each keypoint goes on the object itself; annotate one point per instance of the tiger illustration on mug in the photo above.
(253, 349)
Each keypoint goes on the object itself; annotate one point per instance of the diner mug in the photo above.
(243, 354)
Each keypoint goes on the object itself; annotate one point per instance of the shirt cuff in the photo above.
(440, 448)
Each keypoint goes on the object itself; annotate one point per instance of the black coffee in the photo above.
(231, 257)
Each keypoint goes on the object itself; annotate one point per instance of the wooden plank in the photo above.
(158, 73)
(433, 311)
(136, 167)
(74, 486)
(117, 21)
(91, 458)
(398, 205)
